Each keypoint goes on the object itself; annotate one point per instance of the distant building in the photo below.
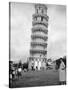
(39, 37)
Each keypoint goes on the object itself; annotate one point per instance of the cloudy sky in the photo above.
(21, 24)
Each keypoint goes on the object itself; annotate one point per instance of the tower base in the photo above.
(37, 63)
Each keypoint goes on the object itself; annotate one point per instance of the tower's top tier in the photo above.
(40, 9)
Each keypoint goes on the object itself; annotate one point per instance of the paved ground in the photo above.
(37, 78)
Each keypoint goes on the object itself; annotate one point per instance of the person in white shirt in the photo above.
(39, 64)
(36, 64)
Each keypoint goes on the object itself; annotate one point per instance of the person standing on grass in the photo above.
(62, 72)
(36, 65)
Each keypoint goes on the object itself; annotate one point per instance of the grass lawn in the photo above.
(37, 78)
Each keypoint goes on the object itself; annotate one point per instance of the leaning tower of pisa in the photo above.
(39, 36)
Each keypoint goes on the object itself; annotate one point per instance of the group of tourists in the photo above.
(15, 69)
(15, 73)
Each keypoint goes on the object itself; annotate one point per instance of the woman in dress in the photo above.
(62, 72)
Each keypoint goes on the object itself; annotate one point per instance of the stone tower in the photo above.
(39, 37)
